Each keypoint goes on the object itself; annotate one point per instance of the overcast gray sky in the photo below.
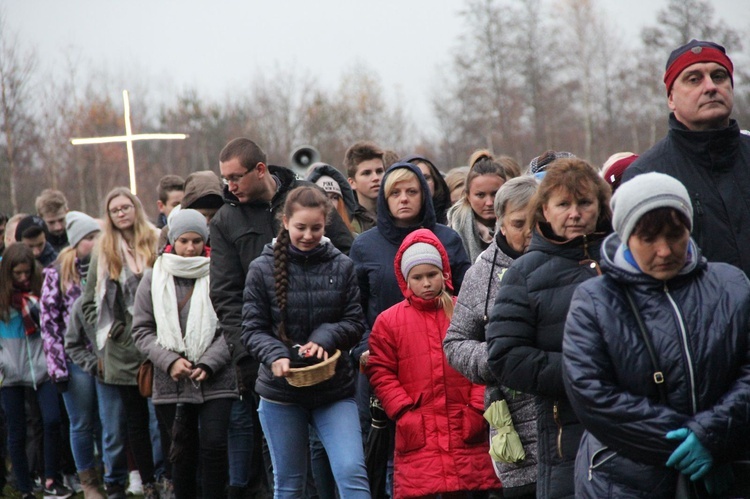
(214, 46)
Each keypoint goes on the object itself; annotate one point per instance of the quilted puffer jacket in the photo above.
(698, 324)
(524, 343)
(441, 437)
(323, 306)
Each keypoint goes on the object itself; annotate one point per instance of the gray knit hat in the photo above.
(187, 220)
(645, 193)
(417, 254)
(79, 225)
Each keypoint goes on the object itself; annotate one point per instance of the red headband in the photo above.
(695, 55)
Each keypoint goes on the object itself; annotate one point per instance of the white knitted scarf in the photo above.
(201, 321)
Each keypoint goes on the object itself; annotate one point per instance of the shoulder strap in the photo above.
(658, 374)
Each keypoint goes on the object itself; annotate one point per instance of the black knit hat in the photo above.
(30, 227)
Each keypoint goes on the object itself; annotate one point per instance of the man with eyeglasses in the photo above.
(254, 193)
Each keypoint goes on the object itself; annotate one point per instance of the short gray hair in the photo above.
(516, 192)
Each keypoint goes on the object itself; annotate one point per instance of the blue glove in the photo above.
(719, 480)
(690, 457)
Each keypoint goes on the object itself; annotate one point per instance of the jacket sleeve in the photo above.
(632, 424)
(382, 369)
(357, 256)
(257, 324)
(723, 427)
(227, 280)
(459, 260)
(216, 355)
(345, 333)
(77, 345)
(88, 300)
(514, 357)
(341, 237)
(464, 344)
(53, 325)
(144, 327)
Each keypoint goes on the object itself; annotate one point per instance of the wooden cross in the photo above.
(129, 138)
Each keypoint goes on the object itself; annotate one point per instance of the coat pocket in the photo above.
(473, 426)
(410, 434)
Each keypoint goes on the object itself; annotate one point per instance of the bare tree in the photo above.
(16, 120)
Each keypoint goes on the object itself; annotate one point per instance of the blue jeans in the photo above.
(13, 400)
(240, 443)
(156, 447)
(286, 429)
(112, 416)
(85, 429)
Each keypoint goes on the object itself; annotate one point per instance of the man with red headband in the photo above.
(705, 150)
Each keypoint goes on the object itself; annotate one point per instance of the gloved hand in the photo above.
(719, 480)
(690, 457)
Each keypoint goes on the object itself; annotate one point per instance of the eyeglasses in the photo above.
(235, 179)
(123, 209)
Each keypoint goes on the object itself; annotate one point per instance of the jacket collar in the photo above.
(711, 149)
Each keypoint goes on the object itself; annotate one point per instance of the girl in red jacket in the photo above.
(441, 436)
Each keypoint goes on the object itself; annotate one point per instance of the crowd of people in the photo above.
(394, 330)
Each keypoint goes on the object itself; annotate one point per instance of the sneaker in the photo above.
(73, 483)
(135, 486)
(57, 491)
(150, 491)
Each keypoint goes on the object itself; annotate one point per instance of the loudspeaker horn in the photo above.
(302, 157)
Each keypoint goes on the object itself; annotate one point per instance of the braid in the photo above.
(281, 277)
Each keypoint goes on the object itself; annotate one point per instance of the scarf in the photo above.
(106, 289)
(475, 235)
(28, 306)
(201, 321)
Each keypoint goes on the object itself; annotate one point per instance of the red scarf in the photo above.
(28, 305)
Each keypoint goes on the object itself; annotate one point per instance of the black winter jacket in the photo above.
(714, 167)
(698, 323)
(322, 306)
(374, 252)
(524, 342)
(238, 234)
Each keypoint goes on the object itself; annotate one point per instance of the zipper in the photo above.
(683, 337)
(593, 466)
(556, 416)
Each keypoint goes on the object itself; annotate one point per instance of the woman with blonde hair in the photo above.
(473, 216)
(125, 250)
(63, 285)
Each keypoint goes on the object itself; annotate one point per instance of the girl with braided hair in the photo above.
(301, 304)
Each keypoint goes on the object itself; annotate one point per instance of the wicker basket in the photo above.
(317, 373)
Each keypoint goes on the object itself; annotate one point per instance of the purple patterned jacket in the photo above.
(55, 310)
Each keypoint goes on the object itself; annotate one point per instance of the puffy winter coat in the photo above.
(524, 342)
(698, 323)
(216, 361)
(713, 166)
(322, 306)
(55, 313)
(373, 253)
(441, 435)
(466, 350)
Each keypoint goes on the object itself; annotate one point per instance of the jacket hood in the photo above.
(203, 189)
(614, 262)
(286, 178)
(421, 236)
(346, 190)
(441, 199)
(393, 234)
